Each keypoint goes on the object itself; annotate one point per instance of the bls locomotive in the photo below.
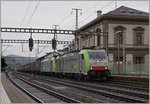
(84, 64)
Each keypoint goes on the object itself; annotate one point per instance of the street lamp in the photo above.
(123, 47)
(118, 41)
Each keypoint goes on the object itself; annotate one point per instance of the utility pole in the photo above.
(76, 26)
(55, 28)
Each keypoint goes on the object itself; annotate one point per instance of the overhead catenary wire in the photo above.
(70, 14)
(80, 4)
(99, 9)
(127, 3)
(95, 12)
(33, 13)
(66, 25)
(86, 11)
(26, 13)
(24, 18)
(65, 18)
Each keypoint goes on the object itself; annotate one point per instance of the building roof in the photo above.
(122, 13)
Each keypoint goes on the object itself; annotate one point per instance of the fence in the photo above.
(137, 69)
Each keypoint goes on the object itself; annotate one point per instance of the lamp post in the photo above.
(123, 47)
(118, 41)
(124, 63)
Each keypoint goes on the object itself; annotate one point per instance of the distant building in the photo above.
(130, 25)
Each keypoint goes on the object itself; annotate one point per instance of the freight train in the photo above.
(85, 64)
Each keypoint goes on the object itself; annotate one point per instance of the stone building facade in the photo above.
(127, 28)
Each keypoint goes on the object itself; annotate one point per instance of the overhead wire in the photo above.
(86, 11)
(127, 3)
(26, 13)
(95, 12)
(80, 4)
(64, 19)
(33, 13)
(70, 14)
(99, 9)
(37, 4)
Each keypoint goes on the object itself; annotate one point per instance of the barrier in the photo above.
(137, 69)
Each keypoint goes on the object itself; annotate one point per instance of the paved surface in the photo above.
(4, 99)
(15, 95)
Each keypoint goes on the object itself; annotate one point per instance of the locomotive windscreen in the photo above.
(97, 55)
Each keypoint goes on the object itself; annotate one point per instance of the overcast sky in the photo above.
(45, 14)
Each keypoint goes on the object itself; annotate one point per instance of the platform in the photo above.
(4, 99)
(12, 94)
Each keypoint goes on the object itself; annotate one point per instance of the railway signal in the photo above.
(43, 31)
(30, 43)
(54, 44)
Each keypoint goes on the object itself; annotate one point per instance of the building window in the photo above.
(98, 33)
(120, 37)
(138, 35)
(118, 34)
(138, 40)
(98, 40)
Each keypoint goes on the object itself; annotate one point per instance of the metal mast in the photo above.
(76, 26)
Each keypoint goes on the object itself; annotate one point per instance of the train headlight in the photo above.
(91, 68)
(106, 67)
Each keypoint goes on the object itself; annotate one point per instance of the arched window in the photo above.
(120, 37)
(118, 34)
(138, 35)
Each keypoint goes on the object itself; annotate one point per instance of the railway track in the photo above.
(38, 93)
(125, 85)
(79, 95)
(121, 93)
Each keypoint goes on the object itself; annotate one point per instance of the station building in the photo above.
(127, 29)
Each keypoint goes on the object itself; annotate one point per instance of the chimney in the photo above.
(99, 13)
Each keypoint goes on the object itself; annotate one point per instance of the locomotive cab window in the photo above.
(97, 55)
(82, 57)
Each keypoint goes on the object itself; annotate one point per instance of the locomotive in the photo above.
(85, 64)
